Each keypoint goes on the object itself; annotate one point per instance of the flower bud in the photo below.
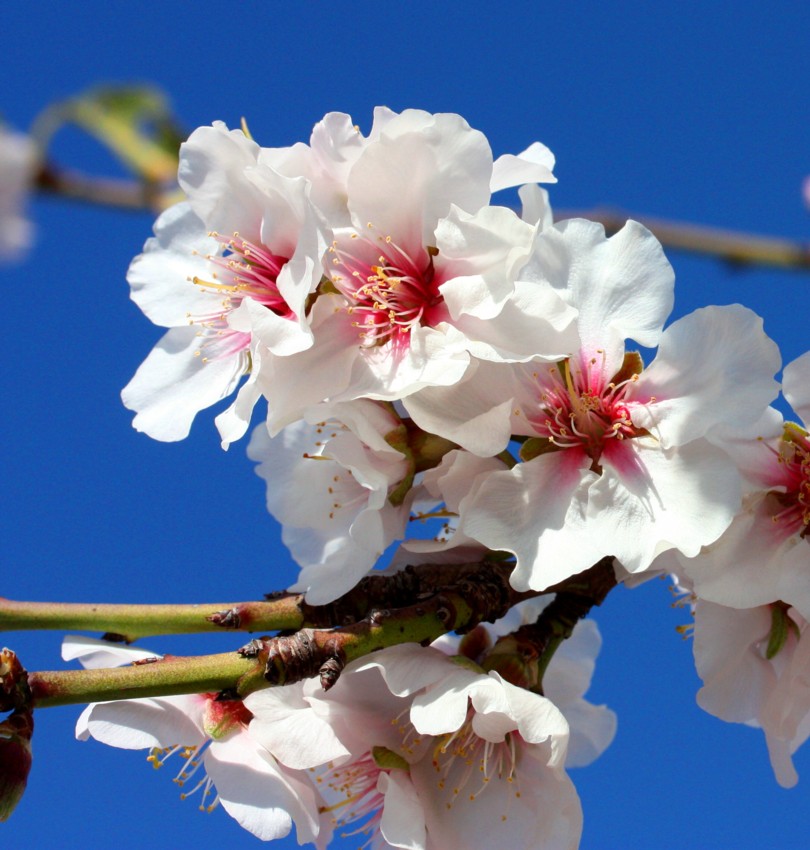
(15, 759)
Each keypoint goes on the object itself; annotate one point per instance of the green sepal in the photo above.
(388, 759)
(467, 663)
(780, 629)
(397, 438)
(631, 365)
(536, 446)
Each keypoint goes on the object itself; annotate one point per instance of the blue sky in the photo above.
(696, 113)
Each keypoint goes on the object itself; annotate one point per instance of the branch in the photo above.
(121, 194)
(479, 592)
(281, 611)
(149, 678)
(739, 249)
(129, 622)
(523, 656)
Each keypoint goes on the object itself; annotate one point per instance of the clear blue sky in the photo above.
(699, 114)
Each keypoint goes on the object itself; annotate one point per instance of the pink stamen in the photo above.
(392, 295)
(579, 408)
(793, 458)
(243, 270)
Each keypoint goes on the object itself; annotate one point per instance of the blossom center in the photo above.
(467, 764)
(390, 291)
(578, 407)
(243, 270)
(220, 719)
(355, 785)
(794, 458)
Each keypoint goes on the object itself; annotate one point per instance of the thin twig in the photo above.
(738, 249)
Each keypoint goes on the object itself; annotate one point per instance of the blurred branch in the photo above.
(738, 249)
(122, 194)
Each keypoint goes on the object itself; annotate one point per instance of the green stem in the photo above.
(280, 612)
(135, 621)
(163, 677)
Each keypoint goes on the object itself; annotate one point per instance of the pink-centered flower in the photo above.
(205, 739)
(417, 285)
(229, 272)
(616, 456)
(764, 556)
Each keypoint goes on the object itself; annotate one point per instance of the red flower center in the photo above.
(390, 291)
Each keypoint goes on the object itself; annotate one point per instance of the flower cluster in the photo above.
(390, 315)
(416, 748)
(424, 353)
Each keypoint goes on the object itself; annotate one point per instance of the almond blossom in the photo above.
(339, 472)
(616, 456)
(414, 286)
(426, 753)
(565, 680)
(765, 554)
(229, 272)
(755, 676)
(206, 738)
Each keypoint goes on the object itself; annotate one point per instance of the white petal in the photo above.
(160, 278)
(402, 823)
(534, 165)
(536, 511)
(285, 724)
(623, 287)
(93, 653)
(258, 793)
(474, 412)
(714, 366)
(536, 206)
(212, 174)
(683, 498)
(172, 385)
(427, 162)
(137, 724)
(481, 254)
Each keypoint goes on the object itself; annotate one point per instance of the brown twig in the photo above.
(738, 249)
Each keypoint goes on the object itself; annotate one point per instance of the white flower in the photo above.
(416, 284)
(441, 757)
(741, 684)
(229, 271)
(209, 738)
(765, 554)
(565, 681)
(18, 159)
(617, 463)
(328, 483)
